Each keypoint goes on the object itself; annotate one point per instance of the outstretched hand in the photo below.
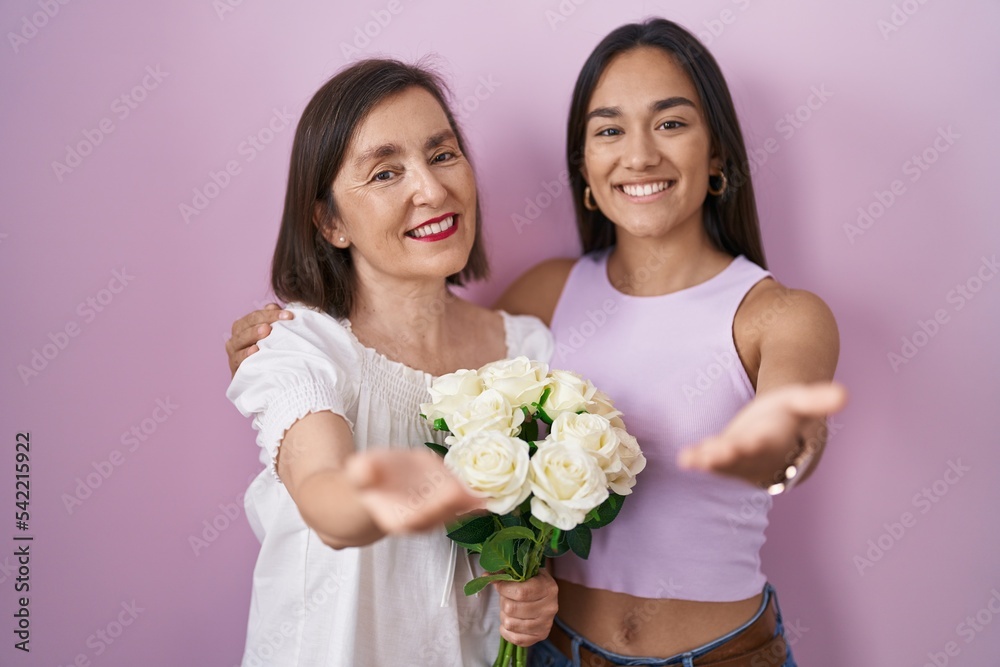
(408, 490)
(762, 438)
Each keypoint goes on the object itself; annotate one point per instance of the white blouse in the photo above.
(398, 601)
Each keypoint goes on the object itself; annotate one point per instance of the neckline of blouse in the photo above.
(423, 377)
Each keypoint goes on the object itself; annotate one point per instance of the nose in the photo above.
(639, 151)
(428, 188)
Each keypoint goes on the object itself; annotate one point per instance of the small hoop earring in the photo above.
(587, 197)
(722, 189)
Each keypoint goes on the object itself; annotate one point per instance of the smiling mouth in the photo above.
(645, 189)
(431, 228)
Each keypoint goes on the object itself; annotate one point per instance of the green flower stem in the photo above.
(509, 653)
(534, 560)
(506, 654)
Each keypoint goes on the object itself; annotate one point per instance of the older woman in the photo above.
(380, 216)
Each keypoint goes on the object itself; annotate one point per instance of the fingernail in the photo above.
(261, 329)
(284, 315)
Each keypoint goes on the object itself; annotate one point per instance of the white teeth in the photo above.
(644, 190)
(433, 228)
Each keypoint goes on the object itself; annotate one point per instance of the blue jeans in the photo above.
(544, 654)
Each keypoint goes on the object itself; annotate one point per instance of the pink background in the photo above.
(160, 336)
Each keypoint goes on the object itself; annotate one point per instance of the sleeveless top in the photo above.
(670, 365)
(398, 601)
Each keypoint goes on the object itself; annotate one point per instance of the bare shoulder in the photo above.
(537, 291)
(782, 323)
(772, 308)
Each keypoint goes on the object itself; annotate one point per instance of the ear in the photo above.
(330, 226)
(583, 172)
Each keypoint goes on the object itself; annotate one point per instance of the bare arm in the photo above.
(538, 290)
(789, 342)
(352, 499)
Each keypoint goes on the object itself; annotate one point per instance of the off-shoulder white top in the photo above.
(398, 601)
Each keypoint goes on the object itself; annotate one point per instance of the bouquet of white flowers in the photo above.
(544, 495)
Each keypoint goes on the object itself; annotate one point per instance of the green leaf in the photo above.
(606, 512)
(473, 531)
(438, 449)
(498, 555)
(514, 533)
(479, 583)
(538, 523)
(532, 448)
(524, 509)
(440, 425)
(579, 540)
(559, 549)
(474, 548)
(522, 554)
(529, 431)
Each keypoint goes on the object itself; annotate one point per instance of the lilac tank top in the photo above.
(670, 365)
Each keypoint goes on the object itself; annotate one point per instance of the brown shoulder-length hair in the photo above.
(306, 268)
(730, 219)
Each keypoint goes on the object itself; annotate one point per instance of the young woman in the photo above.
(381, 215)
(722, 373)
(693, 328)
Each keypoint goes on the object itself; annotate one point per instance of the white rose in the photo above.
(494, 466)
(633, 462)
(570, 393)
(521, 380)
(450, 393)
(593, 433)
(567, 483)
(490, 411)
(601, 404)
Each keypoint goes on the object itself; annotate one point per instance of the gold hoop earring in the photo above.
(721, 190)
(587, 197)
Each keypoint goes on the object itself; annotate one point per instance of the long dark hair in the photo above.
(730, 219)
(306, 267)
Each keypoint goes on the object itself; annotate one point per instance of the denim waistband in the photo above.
(684, 658)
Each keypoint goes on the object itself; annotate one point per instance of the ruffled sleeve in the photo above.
(528, 336)
(307, 364)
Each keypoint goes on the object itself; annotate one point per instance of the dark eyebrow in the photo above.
(655, 107)
(604, 112)
(388, 150)
(438, 138)
(670, 102)
(377, 153)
